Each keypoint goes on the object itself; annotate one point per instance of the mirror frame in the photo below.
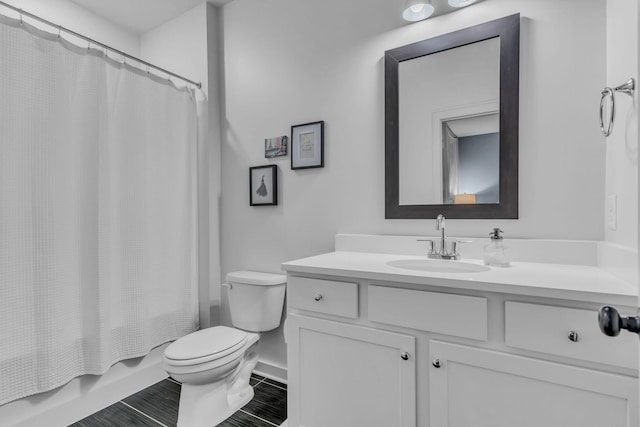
(508, 29)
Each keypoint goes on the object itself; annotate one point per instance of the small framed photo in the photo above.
(276, 147)
(263, 185)
(307, 145)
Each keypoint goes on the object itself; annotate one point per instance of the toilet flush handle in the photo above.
(317, 297)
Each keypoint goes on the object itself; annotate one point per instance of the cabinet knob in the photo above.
(404, 355)
(574, 336)
(610, 322)
(436, 363)
(317, 297)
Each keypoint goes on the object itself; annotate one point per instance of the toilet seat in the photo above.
(206, 345)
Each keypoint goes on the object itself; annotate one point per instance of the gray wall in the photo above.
(479, 166)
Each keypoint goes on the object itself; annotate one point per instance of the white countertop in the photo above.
(562, 281)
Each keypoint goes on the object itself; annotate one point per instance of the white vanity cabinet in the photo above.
(369, 349)
(342, 374)
(475, 387)
(345, 375)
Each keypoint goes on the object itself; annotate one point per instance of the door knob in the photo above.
(610, 322)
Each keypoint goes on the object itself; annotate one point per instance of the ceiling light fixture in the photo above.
(460, 3)
(417, 10)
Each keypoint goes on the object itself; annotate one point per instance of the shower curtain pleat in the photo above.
(97, 212)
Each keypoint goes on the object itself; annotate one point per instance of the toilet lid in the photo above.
(205, 342)
(256, 278)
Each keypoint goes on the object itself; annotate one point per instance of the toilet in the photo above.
(214, 364)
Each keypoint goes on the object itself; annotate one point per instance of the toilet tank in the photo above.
(256, 299)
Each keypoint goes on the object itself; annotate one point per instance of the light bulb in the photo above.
(417, 10)
(460, 3)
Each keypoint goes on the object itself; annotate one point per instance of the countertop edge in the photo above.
(553, 292)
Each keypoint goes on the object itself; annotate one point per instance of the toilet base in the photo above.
(208, 405)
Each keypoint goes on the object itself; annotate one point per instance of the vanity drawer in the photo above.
(457, 315)
(547, 329)
(323, 296)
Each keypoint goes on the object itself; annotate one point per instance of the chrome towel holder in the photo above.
(628, 87)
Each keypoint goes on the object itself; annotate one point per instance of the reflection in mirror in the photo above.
(451, 124)
(471, 159)
(459, 87)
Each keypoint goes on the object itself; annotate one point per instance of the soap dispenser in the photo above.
(495, 253)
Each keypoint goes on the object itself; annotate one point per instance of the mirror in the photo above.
(451, 110)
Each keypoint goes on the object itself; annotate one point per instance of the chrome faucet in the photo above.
(440, 224)
(442, 253)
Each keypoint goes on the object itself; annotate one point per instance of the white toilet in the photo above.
(214, 364)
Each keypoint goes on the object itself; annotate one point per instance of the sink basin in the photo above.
(438, 266)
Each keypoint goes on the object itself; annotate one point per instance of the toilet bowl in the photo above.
(214, 364)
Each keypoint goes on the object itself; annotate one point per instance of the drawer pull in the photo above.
(404, 355)
(436, 363)
(574, 336)
(317, 297)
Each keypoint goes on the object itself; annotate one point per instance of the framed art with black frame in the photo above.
(263, 185)
(307, 145)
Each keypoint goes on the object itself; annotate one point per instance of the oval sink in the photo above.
(438, 266)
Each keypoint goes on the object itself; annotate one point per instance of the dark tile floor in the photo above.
(158, 406)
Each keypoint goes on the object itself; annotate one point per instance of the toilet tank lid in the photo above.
(256, 278)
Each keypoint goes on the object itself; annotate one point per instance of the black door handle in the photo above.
(610, 322)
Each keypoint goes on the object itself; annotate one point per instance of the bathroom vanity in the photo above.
(390, 339)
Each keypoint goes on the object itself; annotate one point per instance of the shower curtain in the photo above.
(97, 211)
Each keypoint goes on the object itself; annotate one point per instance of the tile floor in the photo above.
(158, 406)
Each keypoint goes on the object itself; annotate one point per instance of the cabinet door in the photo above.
(341, 375)
(482, 388)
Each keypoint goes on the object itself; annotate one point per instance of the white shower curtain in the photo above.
(97, 212)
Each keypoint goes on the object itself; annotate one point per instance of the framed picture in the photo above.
(263, 185)
(307, 145)
(276, 147)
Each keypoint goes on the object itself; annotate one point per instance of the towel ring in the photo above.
(628, 88)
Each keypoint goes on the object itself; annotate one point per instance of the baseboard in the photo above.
(270, 371)
(85, 395)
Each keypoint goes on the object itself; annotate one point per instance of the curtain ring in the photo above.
(21, 21)
(607, 92)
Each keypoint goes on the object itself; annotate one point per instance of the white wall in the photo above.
(295, 61)
(622, 145)
(183, 46)
(73, 17)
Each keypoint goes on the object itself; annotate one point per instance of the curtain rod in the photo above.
(97, 43)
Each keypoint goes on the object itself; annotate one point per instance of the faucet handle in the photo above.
(454, 247)
(431, 246)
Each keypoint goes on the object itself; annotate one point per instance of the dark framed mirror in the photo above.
(451, 124)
